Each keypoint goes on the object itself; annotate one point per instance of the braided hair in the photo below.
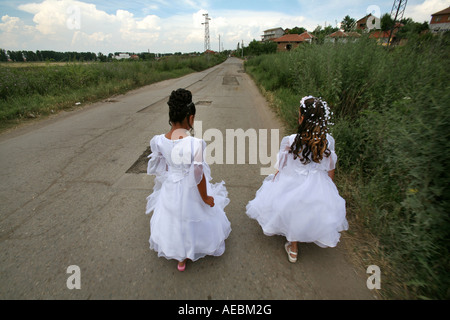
(311, 142)
(181, 106)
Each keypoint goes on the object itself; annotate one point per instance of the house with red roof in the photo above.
(342, 37)
(361, 24)
(292, 41)
(440, 21)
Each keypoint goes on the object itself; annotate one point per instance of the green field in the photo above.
(392, 132)
(31, 90)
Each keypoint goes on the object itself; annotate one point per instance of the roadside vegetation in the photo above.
(391, 115)
(30, 90)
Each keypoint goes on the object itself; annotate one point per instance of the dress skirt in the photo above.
(301, 202)
(182, 225)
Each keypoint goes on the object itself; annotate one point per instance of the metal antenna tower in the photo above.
(207, 40)
(398, 9)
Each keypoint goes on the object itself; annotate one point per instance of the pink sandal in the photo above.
(182, 268)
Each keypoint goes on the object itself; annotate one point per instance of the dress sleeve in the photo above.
(333, 155)
(283, 154)
(157, 164)
(199, 167)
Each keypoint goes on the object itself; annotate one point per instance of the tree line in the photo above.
(54, 56)
(45, 55)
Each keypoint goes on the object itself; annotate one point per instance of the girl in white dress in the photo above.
(301, 201)
(188, 219)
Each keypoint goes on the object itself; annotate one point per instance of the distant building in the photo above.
(292, 41)
(440, 21)
(382, 37)
(121, 56)
(342, 37)
(361, 24)
(272, 34)
(375, 23)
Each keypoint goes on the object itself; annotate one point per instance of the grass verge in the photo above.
(39, 90)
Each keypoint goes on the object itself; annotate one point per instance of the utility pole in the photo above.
(219, 43)
(398, 9)
(207, 40)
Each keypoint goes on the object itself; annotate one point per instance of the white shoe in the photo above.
(289, 253)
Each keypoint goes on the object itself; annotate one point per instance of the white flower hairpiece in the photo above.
(302, 102)
(328, 113)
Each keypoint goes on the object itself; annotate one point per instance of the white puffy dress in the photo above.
(183, 226)
(302, 203)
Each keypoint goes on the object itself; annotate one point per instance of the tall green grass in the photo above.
(38, 90)
(392, 135)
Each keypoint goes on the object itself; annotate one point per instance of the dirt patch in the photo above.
(140, 166)
(230, 81)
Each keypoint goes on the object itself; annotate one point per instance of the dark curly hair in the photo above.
(311, 142)
(181, 106)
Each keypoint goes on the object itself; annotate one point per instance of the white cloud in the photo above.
(422, 12)
(10, 24)
(68, 25)
(14, 33)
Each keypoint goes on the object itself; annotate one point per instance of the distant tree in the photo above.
(325, 31)
(256, 48)
(102, 57)
(320, 33)
(386, 22)
(3, 56)
(30, 55)
(348, 23)
(146, 56)
(39, 55)
(270, 47)
(48, 55)
(411, 28)
(15, 56)
(297, 30)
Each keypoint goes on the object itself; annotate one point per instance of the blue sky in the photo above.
(172, 25)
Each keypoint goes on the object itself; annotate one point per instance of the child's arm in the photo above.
(203, 193)
(275, 175)
(331, 174)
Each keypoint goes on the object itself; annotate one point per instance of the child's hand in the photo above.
(209, 201)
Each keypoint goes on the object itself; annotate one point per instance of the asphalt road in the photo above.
(67, 199)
